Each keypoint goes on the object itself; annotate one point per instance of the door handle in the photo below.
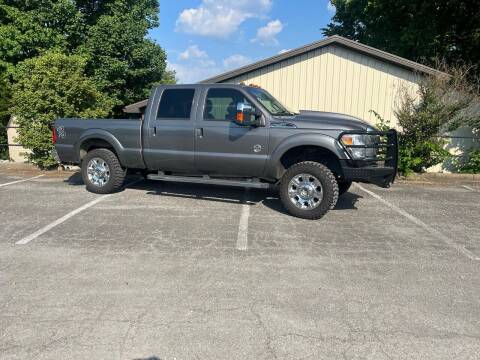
(154, 131)
(199, 132)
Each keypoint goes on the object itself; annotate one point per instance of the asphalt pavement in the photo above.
(178, 271)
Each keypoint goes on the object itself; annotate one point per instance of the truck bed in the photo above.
(123, 134)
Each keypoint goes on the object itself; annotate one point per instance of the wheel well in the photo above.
(91, 144)
(312, 153)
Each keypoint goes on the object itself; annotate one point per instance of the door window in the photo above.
(176, 104)
(221, 104)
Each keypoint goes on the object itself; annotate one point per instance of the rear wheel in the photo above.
(102, 172)
(308, 190)
(343, 187)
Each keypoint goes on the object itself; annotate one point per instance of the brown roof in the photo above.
(335, 39)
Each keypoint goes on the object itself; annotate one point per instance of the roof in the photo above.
(335, 39)
(332, 40)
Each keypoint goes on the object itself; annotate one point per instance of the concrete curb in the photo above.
(441, 178)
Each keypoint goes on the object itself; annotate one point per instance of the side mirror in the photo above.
(247, 115)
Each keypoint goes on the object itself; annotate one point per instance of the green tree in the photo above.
(122, 60)
(110, 34)
(417, 30)
(48, 87)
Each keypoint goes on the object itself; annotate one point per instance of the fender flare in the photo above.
(274, 167)
(101, 135)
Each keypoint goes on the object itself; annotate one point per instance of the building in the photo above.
(334, 74)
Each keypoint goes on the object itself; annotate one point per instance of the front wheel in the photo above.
(102, 172)
(308, 190)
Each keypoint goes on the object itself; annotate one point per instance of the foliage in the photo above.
(472, 165)
(417, 30)
(47, 87)
(110, 34)
(4, 106)
(122, 61)
(442, 103)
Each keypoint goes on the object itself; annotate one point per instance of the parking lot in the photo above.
(179, 271)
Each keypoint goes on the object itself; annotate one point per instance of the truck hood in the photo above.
(324, 120)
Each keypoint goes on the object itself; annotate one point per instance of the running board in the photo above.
(256, 184)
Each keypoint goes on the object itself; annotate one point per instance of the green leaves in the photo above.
(77, 58)
(418, 30)
(52, 86)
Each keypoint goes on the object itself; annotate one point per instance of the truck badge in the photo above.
(257, 148)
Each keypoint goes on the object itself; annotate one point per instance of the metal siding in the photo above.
(336, 79)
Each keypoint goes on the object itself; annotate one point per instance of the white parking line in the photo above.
(420, 223)
(64, 218)
(469, 188)
(242, 236)
(19, 181)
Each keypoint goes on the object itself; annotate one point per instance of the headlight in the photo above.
(350, 141)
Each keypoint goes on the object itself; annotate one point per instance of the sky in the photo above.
(204, 38)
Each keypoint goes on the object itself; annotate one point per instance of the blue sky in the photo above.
(203, 38)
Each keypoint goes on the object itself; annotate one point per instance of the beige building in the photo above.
(334, 74)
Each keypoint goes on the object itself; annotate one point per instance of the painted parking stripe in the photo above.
(242, 235)
(64, 218)
(20, 181)
(420, 223)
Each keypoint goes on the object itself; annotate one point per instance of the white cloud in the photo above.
(331, 8)
(193, 51)
(267, 35)
(220, 18)
(192, 73)
(236, 61)
(192, 69)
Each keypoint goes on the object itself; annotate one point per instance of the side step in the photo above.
(249, 183)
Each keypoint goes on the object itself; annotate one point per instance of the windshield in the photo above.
(272, 105)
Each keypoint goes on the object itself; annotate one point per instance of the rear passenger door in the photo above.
(221, 146)
(169, 141)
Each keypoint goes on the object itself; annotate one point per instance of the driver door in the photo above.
(222, 147)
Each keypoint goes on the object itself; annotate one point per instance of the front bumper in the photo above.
(380, 171)
(382, 176)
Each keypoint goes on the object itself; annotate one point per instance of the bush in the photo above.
(4, 117)
(49, 87)
(472, 165)
(442, 103)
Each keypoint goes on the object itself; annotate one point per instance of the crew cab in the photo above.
(234, 135)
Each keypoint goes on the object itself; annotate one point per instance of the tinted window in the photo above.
(176, 104)
(221, 104)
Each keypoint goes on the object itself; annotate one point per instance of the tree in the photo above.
(418, 30)
(110, 34)
(122, 60)
(47, 87)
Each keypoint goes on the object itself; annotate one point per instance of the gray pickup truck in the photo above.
(234, 135)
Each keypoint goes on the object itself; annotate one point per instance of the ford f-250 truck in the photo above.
(236, 135)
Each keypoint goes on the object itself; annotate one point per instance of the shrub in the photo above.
(472, 165)
(4, 105)
(48, 87)
(442, 103)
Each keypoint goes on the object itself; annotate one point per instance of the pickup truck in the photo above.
(234, 135)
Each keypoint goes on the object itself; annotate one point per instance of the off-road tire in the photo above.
(117, 174)
(343, 187)
(329, 187)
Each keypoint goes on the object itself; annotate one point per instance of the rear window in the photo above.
(176, 104)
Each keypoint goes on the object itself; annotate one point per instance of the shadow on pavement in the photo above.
(217, 193)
